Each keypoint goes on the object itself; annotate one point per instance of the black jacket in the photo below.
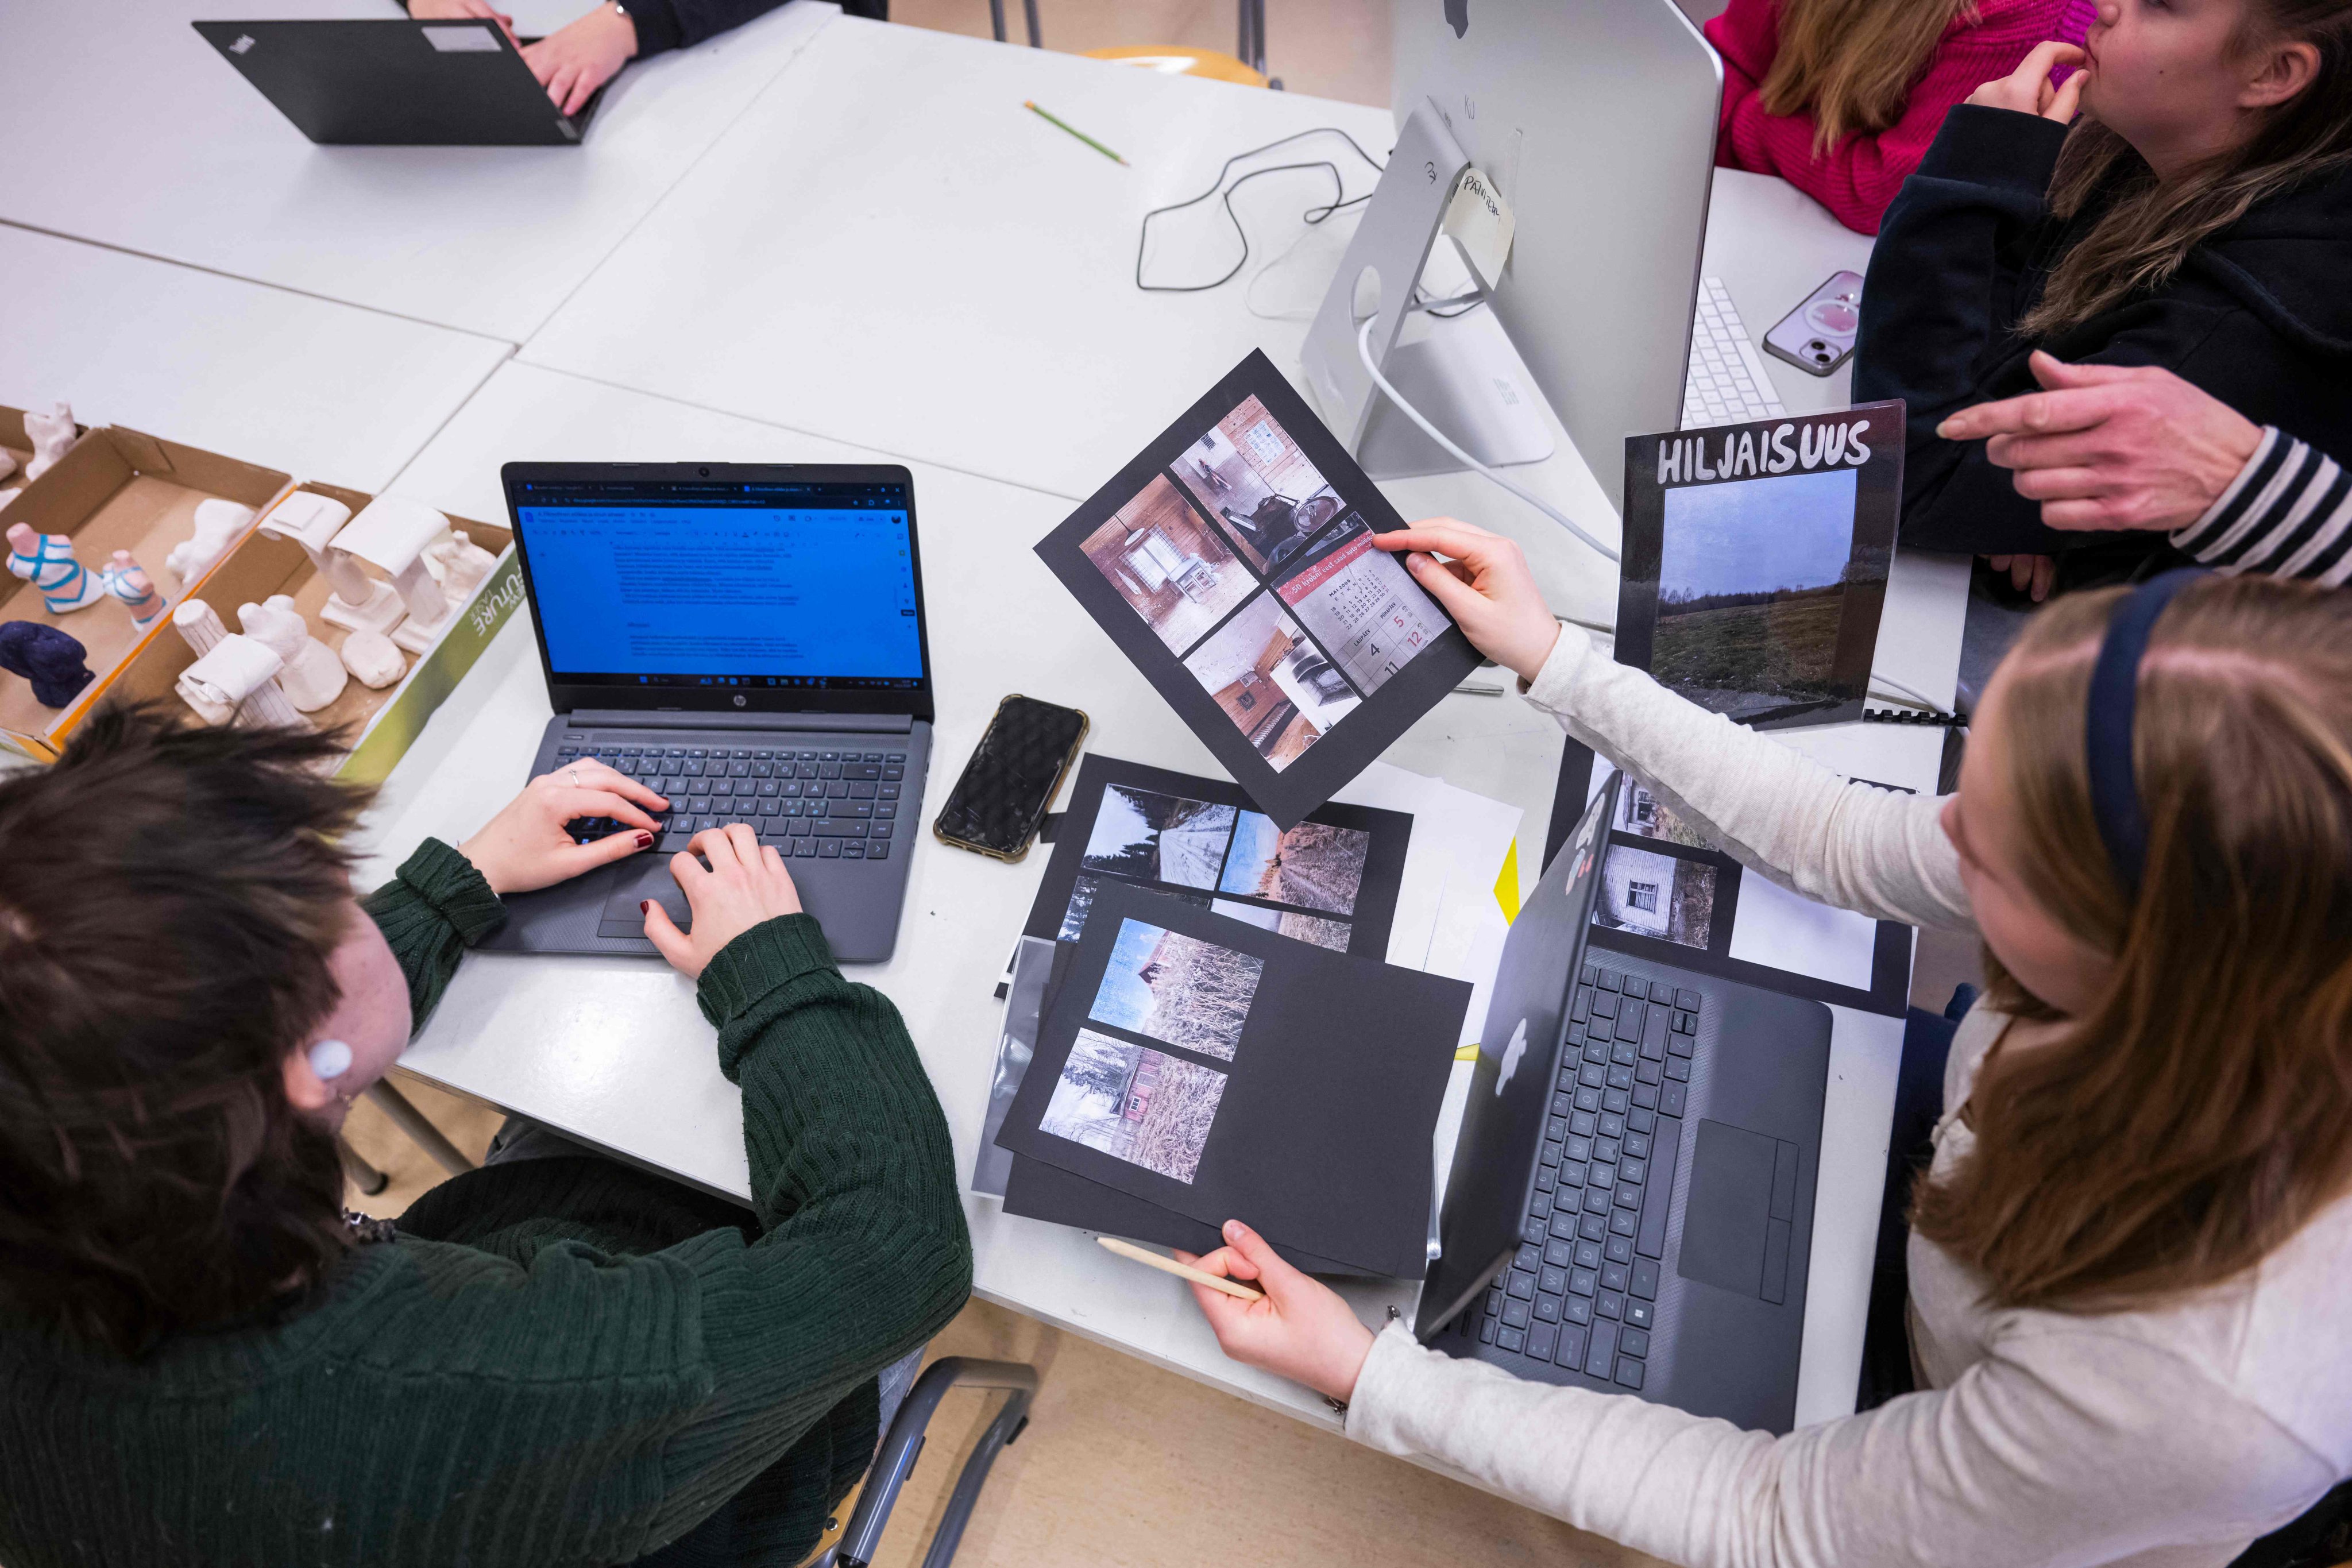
(2260, 316)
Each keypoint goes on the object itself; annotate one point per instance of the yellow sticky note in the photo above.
(1480, 222)
(1468, 1053)
(1506, 883)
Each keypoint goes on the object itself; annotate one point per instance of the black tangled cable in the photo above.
(1341, 202)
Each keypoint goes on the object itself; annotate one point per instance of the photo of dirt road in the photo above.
(1135, 1104)
(1157, 838)
(1314, 866)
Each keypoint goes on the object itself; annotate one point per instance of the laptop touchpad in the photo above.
(1743, 1195)
(646, 876)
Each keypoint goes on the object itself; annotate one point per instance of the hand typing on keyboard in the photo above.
(743, 885)
(534, 843)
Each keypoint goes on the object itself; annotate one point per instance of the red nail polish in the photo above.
(645, 840)
(644, 906)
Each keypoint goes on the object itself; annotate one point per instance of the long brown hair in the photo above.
(2200, 1111)
(168, 900)
(1854, 62)
(2144, 236)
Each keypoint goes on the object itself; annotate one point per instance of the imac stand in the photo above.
(1461, 372)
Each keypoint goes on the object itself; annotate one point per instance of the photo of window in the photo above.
(1082, 900)
(1656, 895)
(1135, 1104)
(1176, 988)
(1313, 865)
(1159, 837)
(1360, 603)
(1334, 935)
(1248, 473)
(1174, 569)
(1640, 812)
(1274, 685)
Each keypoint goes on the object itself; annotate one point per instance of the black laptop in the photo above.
(1632, 1203)
(395, 83)
(749, 642)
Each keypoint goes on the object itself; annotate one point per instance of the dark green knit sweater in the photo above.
(558, 1361)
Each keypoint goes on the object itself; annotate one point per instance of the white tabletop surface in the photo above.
(205, 171)
(320, 390)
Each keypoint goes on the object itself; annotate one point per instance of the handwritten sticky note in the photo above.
(1479, 221)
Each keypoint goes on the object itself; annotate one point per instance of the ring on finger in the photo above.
(573, 775)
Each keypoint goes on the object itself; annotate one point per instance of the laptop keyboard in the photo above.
(1582, 1293)
(809, 805)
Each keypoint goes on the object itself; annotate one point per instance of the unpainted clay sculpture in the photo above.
(313, 676)
(218, 693)
(459, 563)
(52, 436)
(391, 535)
(360, 603)
(54, 662)
(374, 658)
(218, 524)
(128, 581)
(47, 562)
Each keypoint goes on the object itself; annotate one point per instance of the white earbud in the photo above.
(330, 1060)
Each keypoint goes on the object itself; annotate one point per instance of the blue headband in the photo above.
(2108, 727)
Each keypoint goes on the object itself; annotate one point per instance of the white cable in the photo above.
(1364, 351)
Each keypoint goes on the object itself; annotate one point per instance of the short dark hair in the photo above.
(169, 897)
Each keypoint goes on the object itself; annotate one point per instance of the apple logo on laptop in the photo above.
(1457, 15)
(244, 42)
(1511, 1055)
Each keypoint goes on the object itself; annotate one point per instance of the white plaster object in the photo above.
(218, 524)
(460, 564)
(391, 535)
(128, 581)
(313, 676)
(200, 626)
(47, 562)
(374, 658)
(360, 603)
(52, 436)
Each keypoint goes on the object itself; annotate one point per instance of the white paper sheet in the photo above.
(1788, 931)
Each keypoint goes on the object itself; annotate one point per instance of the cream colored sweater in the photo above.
(2171, 1437)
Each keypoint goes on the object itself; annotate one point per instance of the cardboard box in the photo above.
(116, 490)
(19, 446)
(384, 723)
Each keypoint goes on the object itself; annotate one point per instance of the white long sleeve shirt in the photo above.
(2167, 1438)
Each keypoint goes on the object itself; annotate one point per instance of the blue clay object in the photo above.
(44, 656)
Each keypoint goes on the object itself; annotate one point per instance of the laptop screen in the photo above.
(799, 585)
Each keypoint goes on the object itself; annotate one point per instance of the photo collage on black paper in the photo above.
(1243, 560)
(1301, 884)
(1656, 892)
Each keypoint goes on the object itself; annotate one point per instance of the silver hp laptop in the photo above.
(1632, 1203)
(749, 642)
(395, 83)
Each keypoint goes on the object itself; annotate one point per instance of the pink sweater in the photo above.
(1862, 172)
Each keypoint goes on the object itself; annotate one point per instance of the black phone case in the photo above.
(989, 811)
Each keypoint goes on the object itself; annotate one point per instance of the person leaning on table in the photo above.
(556, 1359)
(2131, 1255)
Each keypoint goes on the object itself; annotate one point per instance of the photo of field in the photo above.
(1314, 865)
(1640, 812)
(1157, 838)
(1656, 895)
(1751, 590)
(1324, 933)
(1248, 473)
(1135, 1104)
(1177, 988)
(1176, 571)
(1278, 691)
(1082, 900)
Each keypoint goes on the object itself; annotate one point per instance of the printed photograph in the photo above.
(1156, 837)
(1248, 473)
(1135, 1104)
(1656, 895)
(1277, 688)
(1314, 865)
(1360, 603)
(1177, 988)
(1172, 566)
(1640, 812)
(1315, 928)
(1751, 588)
(1082, 900)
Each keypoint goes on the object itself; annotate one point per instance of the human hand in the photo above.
(745, 885)
(2027, 89)
(529, 844)
(2112, 446)
(1486, 587)
(2031, 574)
(1300, 1330)
(573, 61)
(460, 10)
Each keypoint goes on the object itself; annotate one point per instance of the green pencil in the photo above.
(1081, 135)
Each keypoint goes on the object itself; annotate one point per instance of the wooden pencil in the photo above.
(1233, 1288)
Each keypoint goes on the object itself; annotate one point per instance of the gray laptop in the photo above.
(1632, 1203)
(395, 83)
(749, 642)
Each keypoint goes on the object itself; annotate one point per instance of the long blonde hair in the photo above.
(2200, 1111)
(2143, 238)
(1854, 62)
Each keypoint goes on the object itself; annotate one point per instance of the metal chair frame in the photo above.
(1250, 32)
(900, 1448)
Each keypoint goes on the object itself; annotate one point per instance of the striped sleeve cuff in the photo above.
(2287, 515)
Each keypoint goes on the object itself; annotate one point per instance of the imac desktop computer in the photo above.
(1595, 120)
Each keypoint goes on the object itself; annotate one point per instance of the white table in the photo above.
(320, 390)
(204, 171)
